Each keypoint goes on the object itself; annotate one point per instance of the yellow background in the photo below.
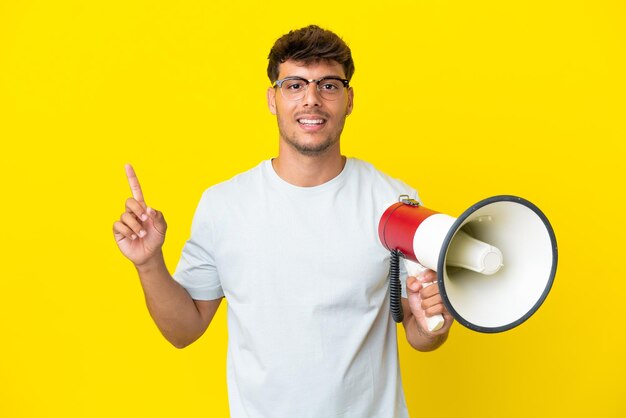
(461, 99)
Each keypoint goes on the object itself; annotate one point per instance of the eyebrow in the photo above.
(307, 79)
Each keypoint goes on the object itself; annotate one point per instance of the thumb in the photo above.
(157, 220)
(413, 286)
(428, 276)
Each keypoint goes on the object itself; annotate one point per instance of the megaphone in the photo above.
(495, 263)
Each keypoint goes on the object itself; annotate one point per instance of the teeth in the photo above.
(311, 121)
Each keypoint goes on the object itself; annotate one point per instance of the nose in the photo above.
(312, 96)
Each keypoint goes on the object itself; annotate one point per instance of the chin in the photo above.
(312, 149)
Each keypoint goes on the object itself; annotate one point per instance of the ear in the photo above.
(271, 100)
(350, 104)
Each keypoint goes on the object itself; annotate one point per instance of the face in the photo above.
(311, 125)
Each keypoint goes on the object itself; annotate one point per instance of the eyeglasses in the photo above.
(294, 88)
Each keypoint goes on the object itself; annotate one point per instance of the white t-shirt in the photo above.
(305, 278)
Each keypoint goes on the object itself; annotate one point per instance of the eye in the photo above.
(293, 85)
(330, 86)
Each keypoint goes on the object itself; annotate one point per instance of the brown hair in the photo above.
(307, 45)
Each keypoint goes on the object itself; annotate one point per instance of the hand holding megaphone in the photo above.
(435, 322)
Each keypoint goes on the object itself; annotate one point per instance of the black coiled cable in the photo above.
(395, 287)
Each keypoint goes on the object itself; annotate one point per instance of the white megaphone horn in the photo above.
(495, 263)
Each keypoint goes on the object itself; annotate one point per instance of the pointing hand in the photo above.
(140, 232)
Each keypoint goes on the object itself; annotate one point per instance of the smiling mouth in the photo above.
(311, 122)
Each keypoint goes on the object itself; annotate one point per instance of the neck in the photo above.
(308, 170)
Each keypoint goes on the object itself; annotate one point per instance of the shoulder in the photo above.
(238, 184)
(369, 176)
(236, 189)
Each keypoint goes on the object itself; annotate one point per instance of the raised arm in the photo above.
(140, 234)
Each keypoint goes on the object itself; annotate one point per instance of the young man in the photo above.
(292, 245)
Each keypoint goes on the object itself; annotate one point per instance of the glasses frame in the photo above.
(279, 84)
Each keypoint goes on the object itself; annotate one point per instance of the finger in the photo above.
(133, 181)
(121, 231)
(136, 208)
(429, 291)
(413, 285)
(130, 221)
(434, 310)
(430, 302)
(428, 276)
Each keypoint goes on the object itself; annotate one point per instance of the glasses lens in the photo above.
(330, 89)
(293, 89)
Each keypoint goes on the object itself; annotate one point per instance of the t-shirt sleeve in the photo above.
(196, 270)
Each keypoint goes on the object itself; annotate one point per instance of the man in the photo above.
(292, 245)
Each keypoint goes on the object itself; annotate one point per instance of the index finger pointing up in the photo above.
(133, 181)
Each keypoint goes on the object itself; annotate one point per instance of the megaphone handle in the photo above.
(434, 322)
(414, 269)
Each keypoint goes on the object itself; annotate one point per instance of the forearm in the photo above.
(171, 307)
